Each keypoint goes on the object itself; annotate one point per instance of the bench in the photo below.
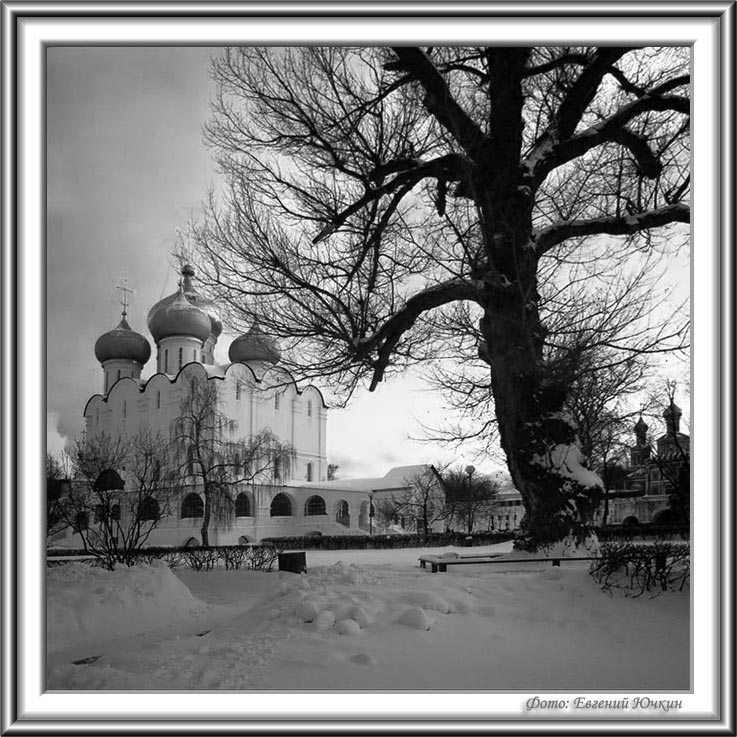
(440, 564)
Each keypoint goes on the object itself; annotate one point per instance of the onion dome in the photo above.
(673, 410)
(178, 317)
(194, 298)
(641, 426)
(255, 345)
(122, 343)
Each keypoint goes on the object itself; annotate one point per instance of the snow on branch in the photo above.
(553, 151)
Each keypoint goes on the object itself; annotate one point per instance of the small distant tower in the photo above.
(640, 452)
(672, 417)
(122, 351)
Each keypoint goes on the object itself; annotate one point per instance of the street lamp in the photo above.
(371, 514)
(469, 503)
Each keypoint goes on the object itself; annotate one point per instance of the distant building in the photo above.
(507, 509)
(644, 493)
(254, 393)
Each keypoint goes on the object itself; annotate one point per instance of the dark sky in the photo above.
(126, 166)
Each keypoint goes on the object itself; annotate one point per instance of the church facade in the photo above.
(644, 494)
(254, 394)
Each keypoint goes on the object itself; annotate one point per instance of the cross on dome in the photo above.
(125, 292)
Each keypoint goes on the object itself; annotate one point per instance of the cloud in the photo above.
(55, 441)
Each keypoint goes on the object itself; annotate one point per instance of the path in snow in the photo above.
(386, 624)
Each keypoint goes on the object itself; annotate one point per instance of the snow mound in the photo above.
(324, 620)
(416, 618)
(347, 627)
(308, 610)
(360, 617)
(428, 600)
(86, 604)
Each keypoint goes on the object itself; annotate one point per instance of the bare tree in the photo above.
(370, 192)
(423, 501)
(469, 496)
(120, 493)
(210, 456)
(57, 486)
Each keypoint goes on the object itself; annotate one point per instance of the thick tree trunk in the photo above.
(543, 452)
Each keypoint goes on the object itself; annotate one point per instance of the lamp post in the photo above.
(469, 470)
(371, 514)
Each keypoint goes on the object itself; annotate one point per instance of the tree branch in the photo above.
(440, 102)
(548, 237)
(451, 167)
(385, 339)
(545, 157)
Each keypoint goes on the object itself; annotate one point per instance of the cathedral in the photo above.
(254, 393)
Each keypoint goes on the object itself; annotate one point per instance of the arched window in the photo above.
(125, 408)
(276, 401)
(242, 505)
(81, 521)
(192, 506)
(277, 469)
(193, 542)
(166, 361)
(309, 472)
(342, 514)
(158, 400)
(314, 505)
(115, 512)
(238, 391)
(180, 358)
(149, 510)
(99, 513)
(281, 506)
(309, 408)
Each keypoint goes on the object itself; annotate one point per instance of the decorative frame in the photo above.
(28, 27)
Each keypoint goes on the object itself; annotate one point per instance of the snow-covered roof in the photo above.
(398, 477)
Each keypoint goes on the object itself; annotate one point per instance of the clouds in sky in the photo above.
(126, 167)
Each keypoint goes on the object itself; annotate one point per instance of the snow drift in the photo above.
(86, 604)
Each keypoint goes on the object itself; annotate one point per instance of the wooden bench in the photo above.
(440, 564)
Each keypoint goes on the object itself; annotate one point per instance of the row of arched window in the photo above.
(281, 506)
(193, 506)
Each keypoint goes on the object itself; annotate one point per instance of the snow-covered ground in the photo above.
(362, 619)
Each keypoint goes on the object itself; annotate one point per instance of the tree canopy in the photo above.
(379, 201)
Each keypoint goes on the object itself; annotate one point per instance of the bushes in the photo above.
(643, 531)
(232, 557)
(657, 567)
(363, 542)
